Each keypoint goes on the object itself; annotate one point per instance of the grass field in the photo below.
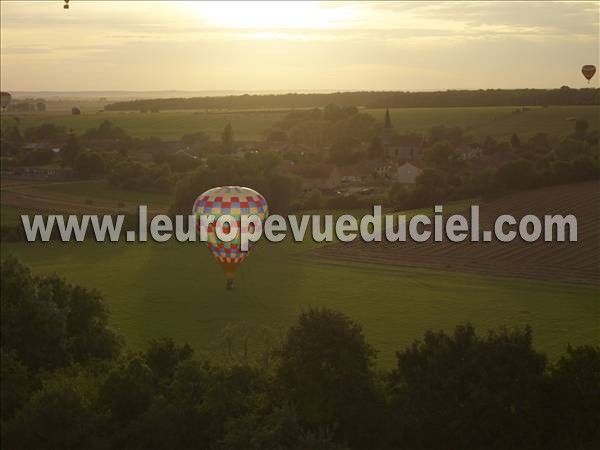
(499, 122)
(168, 125)
(70, 197)
(100, 189)
(177, 290)
(11, 215)
(74, 197)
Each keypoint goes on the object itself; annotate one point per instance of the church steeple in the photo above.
(388, 122)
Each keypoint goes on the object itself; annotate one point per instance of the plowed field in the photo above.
(559, 261)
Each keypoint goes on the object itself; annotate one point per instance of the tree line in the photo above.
(374, 99)
(69, 382)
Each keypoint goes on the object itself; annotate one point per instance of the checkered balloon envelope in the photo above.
(234, 201)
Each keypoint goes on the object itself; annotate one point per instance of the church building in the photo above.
(402, 148)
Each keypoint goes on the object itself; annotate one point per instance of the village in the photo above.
(359, 161)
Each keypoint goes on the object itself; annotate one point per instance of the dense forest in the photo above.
(69, 382)
(373, 99)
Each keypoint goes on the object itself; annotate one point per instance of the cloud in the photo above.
(184, 45)
(547, 17)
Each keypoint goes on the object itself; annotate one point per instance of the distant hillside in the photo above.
(489, 97)
(556, 261)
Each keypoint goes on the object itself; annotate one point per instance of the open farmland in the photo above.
(177, 290)
(74, 197)
(167, 125)
(557, 261)
(499, 122)
(11, 215)
(396, 292)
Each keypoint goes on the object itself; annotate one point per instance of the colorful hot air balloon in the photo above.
(588, 71)
(234, 201)
(5, 98)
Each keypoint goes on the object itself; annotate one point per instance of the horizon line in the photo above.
(233, 92)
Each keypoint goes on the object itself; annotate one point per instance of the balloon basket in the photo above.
(229, 285)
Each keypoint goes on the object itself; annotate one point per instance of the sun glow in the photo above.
(273, 15)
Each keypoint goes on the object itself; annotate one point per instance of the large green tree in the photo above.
(326, 370)
(466, 391)
(50, 323)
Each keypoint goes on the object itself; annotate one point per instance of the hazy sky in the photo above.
(296, 46)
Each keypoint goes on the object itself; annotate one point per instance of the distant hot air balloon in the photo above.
(588, 71)
(66, 5)
(234, 201)
(5, 98)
